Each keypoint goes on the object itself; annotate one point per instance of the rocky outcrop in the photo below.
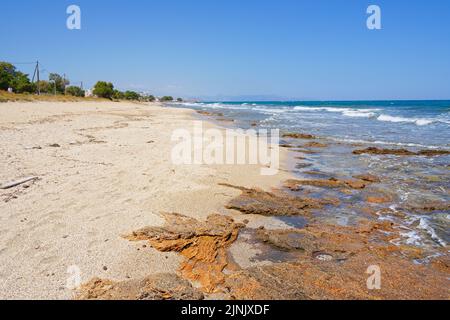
(295, 185)
(294, 135)
(334, 263)
(256, 201)
(203, 244)
(165, 286)
(400, 152)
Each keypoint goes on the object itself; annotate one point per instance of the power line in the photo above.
(22, 62)
(40, 69)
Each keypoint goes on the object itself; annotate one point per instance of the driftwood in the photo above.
(17, 182)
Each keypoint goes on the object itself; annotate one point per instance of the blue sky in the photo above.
(290, 49)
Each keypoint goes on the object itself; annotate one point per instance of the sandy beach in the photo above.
(103, 171)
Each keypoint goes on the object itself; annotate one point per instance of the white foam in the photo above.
(412, 238)
(425, 226)
(400, 144)
(191, 104)
(348, 112)
(270, 110)
(359, 114)
(419, 122)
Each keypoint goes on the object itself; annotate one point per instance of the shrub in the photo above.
(7, 71)
(21, 84)
(118, 95)
(75, 91)
(131, 95)
(104, 89)
(166, 98)
(179, 100)
(11, 78)
(46, 87)
(58, 82)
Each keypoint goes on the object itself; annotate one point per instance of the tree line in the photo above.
(19, 82)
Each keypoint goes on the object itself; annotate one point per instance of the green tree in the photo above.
(45, 87)
(166, 98)
(103, 89)
(179, 100)
(131, 95)
(59, 82)
(75, 91)
(118, 95)
(21, 83)
(7, 71)
(150, 98)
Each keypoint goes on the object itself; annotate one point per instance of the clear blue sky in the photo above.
(314, 49)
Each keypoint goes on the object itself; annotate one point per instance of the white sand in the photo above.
(105, 180)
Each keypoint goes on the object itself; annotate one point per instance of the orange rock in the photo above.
(379, 200)
(315, 144)
(203, 244)
(298, 135)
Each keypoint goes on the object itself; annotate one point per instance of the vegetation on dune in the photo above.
(131, 95)
(103, 89)
(46, 87)
(16, 80)
(6, 96)
(59, 83)
(75, 91)
(16, 86)
(118, 95)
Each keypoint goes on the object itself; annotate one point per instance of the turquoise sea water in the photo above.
(407, 123)
(411, 183)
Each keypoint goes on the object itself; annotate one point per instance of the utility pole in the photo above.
(36, 74)
(38, 78)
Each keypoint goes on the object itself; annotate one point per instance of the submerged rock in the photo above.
(433, 152)
(378, 199)
(165, 286)
(204, 113)
(294, 135)
(315, 144)
(428, 207)
(368, 177)
(295, 185)
(400, 152)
